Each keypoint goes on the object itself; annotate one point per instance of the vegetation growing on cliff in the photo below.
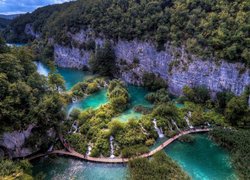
(207, 28)
(103, 60)
(159, 167)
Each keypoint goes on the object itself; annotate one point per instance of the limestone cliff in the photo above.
(14, 142)
(174, 65)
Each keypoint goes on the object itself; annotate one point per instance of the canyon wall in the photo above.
(134, 58)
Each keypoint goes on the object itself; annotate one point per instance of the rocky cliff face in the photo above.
(14, 142)
(174, 65)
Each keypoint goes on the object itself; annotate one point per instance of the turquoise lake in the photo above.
(137, 97)
(92, 101)
(202, 160)
(71, 76)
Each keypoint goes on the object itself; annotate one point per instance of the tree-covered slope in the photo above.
(27, 98)
(4, 23)
(219, 29)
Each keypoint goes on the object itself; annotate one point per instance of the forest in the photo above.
(209, 29)
(27, 98)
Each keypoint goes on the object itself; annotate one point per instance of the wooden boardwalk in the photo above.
(71, 152)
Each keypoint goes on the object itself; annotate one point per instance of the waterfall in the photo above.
(89, 150)
(158, 130)
(174, 123)
(41, 69)
(187, 120)
(111, 140)
(75, 126)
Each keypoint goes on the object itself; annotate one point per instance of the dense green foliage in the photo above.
(153, 82)
(207, 28)
(103, 60)
(118, 95)
(134, 151)
(238, 143)
(160, 96)
(196, 94)
(159, 167)
(27, 97)
(4, 23)
(15, 170)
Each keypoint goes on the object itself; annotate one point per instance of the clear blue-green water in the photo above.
(16, 44)
(93, 101)
(203, 159)
(71, 76)
(137, 97)
(68, 169)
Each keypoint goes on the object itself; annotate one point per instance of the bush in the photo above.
(153, 82)
(159, 167)
(160, 96)
(134, 151)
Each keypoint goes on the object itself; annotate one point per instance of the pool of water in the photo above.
(203, 159)
(71, 76)
(67, 169)
(137, 97)
(16, 44)
(93, 101)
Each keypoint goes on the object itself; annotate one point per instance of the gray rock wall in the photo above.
(14, 141)
(173, 65)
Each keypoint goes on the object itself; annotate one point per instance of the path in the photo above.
(71, 152)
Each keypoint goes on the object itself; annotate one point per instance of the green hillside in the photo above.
(207, 28)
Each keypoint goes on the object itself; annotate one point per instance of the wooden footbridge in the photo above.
(71, 152)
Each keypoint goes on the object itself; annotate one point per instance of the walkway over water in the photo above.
(71, 152)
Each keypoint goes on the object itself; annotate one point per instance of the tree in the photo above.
(103, 61)
(236, 111)
(56, 81)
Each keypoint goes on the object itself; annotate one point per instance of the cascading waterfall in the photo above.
(187, 120)
(41, 69)
(158, 130)
(174, 123)
(89, 150)
(111, 140)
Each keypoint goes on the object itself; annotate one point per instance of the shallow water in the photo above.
(71, 76)
(137, 97)
(202, 159)
(67, 169)
(93, 101)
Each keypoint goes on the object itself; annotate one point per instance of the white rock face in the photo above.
(173, 64)
(14, 142)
